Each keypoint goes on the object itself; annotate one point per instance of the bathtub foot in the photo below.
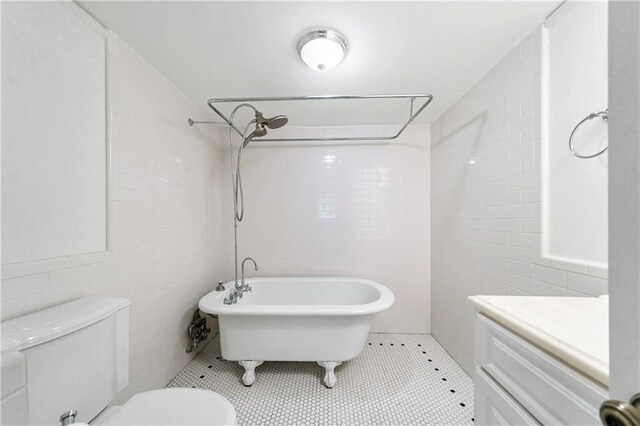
(329, 374)
(249, 375)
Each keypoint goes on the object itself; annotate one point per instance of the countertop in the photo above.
(573, 329)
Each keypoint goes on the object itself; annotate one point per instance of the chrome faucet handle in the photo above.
(233, 297)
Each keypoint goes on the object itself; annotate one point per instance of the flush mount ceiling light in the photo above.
(322, 49)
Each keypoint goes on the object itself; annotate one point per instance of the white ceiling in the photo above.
(233, 49)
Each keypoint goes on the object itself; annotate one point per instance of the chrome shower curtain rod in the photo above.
(414, 111)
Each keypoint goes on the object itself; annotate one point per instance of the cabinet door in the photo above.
(493, 406)
(548, 389)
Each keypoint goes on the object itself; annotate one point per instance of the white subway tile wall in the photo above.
(359, 209)
(350, 210)
(164, 224)
(486, 194)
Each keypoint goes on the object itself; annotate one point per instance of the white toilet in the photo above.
(77, 358)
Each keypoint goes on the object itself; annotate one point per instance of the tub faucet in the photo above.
(240, 288)
(243, 287)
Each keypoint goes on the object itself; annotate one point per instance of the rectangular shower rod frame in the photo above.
(426, 99)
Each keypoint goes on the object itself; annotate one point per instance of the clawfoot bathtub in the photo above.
(323, 320)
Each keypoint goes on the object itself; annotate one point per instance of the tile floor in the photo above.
(399, 379)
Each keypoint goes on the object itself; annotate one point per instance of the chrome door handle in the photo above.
(620, 413)
(68, 418)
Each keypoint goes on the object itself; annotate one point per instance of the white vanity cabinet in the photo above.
(516, 382)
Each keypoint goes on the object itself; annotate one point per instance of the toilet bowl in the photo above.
(77, 358)
(173, 406)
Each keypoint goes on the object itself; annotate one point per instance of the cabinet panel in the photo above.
(493, 406)
(547, 388)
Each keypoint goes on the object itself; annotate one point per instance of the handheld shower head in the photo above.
(262, 124)
(258, 132)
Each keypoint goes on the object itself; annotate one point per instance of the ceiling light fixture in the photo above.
(322, 49)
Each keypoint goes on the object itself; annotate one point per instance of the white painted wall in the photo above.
(164, 223)
(53, 134)
(577, 85)
(486, 195)
(359, 209)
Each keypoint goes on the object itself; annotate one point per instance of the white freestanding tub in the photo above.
(325, 320)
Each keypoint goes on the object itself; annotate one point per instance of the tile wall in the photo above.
(486, 193)
(359, 209)
(164, 223)
(349, 210)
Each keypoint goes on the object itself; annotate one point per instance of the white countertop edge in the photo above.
(584, 363)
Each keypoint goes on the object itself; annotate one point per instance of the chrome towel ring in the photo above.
(602, 114)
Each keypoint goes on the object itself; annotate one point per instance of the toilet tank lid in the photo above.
(51, 323)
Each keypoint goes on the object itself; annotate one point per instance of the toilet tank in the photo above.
(77, 356)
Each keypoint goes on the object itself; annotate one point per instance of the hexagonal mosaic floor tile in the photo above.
(399, 379)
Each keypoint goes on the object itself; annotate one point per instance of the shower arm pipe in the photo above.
(192, 122)
(412, 114)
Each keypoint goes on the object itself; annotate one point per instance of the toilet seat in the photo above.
(174, 406)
